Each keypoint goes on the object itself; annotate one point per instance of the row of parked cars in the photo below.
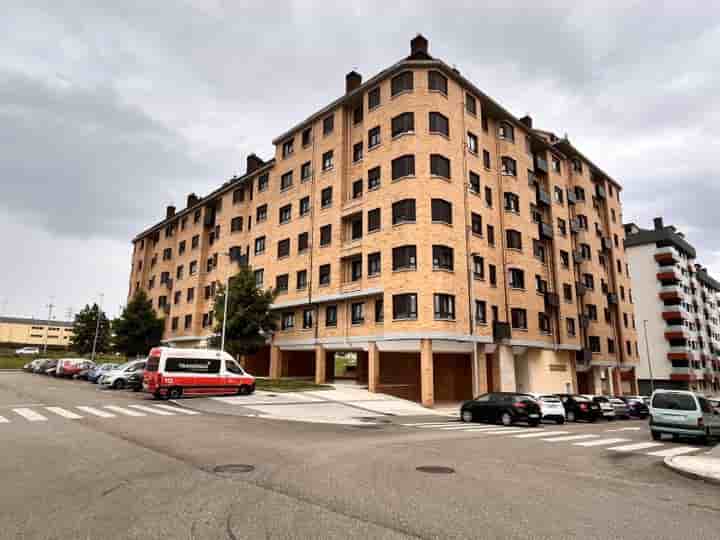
(508, 408)
(116, 376)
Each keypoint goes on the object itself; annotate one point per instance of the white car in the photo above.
(28, 351)
(606, 408)
(118, 377)
(551, 407)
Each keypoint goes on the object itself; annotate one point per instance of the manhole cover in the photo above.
(234, 468)
(435, 469)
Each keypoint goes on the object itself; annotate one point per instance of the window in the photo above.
(512, 202)
(442, 258)
(444, 306)
(188, 322)
(555, 164)
(570, 326)
(373, 263)
(405, 306)
(325, 235)
(508, 166)
(439, 124)
(167, 254)
(285, 213)
(326, 197)
(401, 83)
(492, 273)
(517, 278)
(190, 294)
(195, 242)
(518, 318)
(611, 346)
(567, 292)
(559, 195)
(478, 267)
(577, 165)
(286, 181)
(356, 269)
(331, 316)
(439, 166)
(196, 216)
(374, 178)
(261, 213)
(287, 148)
(374, 98)
(470, 104)
(491, 235)
(179, 272)
(236, 224)
(613, 216)
(441, 211)
(281, 283)
(404, 258)
(288, 320)
(589, 281)
(259, 245)
(513, 239)
(301, 280)
(181, 250)
(263, 182)
(472, 142)
(403, 123)
(356, 226)
(373, 137)
(480, 312)
(544, 323)
(238, 195)
(303, 242)
(305, 171)
(358, 115)
(373, 220)
(324, 274)
(476, 223)
(579, 193)
(540, 284)
(564, 258)
(306, 137)
(357, 152)
(582, 221)
(437, 81)
(379, 310)
(591, 312)
(308, 318)
(403, 211)
(403, 166)
(474, 182)
(304, 206)
(562, 226)
(506, 131)
(174, 323)
(487, 163)
(259, 276)
(328, 124)
(357, 312)
(327, 160)
(594, 343)
(193, 267)
(538, 250)
(283, 249)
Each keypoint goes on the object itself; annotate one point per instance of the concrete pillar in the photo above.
(320, 376)
(617, 382)
(427, 380)
(275, 362)
(373, 367)
(480, 381)
(506, 371)
(596, 380)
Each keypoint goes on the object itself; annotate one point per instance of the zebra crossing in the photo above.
(611, 440)
(79, 412)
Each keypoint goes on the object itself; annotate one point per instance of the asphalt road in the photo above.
(156, 476)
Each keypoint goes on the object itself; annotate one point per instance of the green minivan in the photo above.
(683, 413)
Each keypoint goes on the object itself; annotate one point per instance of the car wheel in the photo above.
(675, 437)
(244, 390)
(119, 384)
(506, 419)
(656, 435)
(157, 395)
(560, 421)
(466, 416)
(174, 393)
(570, 416)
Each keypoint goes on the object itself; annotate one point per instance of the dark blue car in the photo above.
(97, 372)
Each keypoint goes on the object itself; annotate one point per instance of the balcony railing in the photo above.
(667, 254)
(545, 230)
(543, 197)
(541, 164)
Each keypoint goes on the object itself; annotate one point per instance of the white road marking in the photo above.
(600, 442)
(4, 420)
(570, 438)
(126, 412)
(151, 410)
(462, 426)
(637, 446)
(31, 415)
(436, 425)
(94, 411)
(64, 413)
(176, 409)
(486, 429)
(677, 451)
(540, 434)
(500, 431)
(623, 429)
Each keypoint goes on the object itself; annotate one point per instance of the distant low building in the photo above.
(21, 331)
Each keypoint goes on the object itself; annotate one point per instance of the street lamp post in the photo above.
(647, 350)
(97, 328)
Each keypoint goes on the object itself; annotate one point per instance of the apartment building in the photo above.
(677, 311)
(454, 247)
(22, 331)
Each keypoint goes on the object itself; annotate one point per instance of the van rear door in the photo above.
(675, 408)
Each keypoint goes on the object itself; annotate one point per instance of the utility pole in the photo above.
(97, 327)
(50, 307)
(647, 349)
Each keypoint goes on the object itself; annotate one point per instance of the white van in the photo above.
(682, 413)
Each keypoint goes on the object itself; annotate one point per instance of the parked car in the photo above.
(135, 381)
(28, 351)
(636, 406)
(30, 366)
(579, 407)
(98, 371)
(682, 413)
(41, 365)
(620, 407)
(84, 370)
(714, 402)
(504, 407)
(171, 373)
(48, 367)
(606, 408)
(67, 367)
(118, 377)
(551, 407)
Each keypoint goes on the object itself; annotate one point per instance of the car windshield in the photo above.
(679, 402)
(550, 399)
(601, 399)
(581, 398)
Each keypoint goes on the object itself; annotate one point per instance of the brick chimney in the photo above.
(419, 47)
(353, 80)
(169, 212)
(527, 120)
(192, 199)
(254, 163)
(658, 223)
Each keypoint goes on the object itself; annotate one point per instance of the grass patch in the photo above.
(288, 385)
(13, 362)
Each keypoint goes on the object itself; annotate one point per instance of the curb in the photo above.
(668, 462)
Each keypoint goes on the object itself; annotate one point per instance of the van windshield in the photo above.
(678, 402)
(152, 363)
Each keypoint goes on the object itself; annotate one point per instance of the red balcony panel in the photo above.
(683, 377)
(670, 295)
(678, 356)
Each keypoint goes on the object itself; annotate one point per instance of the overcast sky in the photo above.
(108, 114)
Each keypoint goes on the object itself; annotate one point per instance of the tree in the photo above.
(84, 331)
(249, 316)
(138, 329)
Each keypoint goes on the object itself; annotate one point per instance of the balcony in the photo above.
(543, 197)
(501, 330)
(667, 254)
(606, 243)
(676, 331)
(669, 273)
(670, 292)
(612, 299)
(541, 164)
(583, 359)
(579, 289)
(674, 312)
(678, 353)
(545, 231)
(574, 225)
(578, 257)
(552, 300)
(682, 374)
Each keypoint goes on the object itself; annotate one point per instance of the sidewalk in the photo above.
(703, 467)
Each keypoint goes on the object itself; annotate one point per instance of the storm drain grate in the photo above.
(233, 468)
(435, 469)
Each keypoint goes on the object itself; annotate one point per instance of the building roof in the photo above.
(636, 236)
(29, 320)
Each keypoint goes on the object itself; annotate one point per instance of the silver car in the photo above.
(682, 413)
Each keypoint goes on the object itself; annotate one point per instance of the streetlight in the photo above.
(234, 255)
(647, 349)
(97, 327)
